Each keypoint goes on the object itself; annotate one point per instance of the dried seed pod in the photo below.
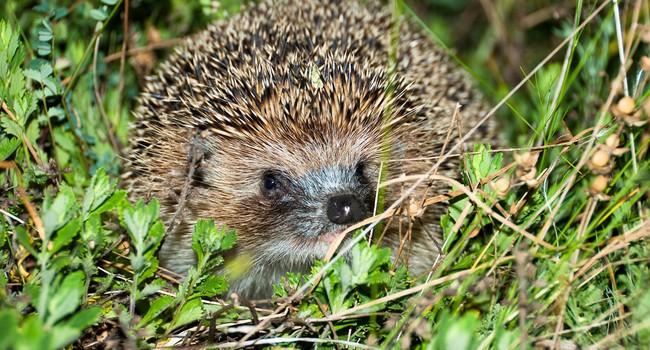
(600, 158)
(527, 160)
(612, 141)
(626, 105)
(599, 184)
(501, 186)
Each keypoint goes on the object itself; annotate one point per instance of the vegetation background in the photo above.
(547, 247)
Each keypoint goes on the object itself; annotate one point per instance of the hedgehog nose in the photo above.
(345, 209)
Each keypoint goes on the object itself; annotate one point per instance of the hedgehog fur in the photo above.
(287, 109)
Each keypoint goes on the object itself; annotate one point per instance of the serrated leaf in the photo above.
(41, 75)
(157, 307)
(229, 240)
(362, 260)
(212, 285)
(32, 74)
(65, 235)
(482, 163)
(112, 202)
(205, 238)
(11, 127)
(57, 112)
(191, 311)
(209, 239)
(150, 289)
(99, 190)
(8, 146)
(51, 87)
(138, 221)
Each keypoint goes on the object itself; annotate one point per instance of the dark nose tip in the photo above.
(345, 209)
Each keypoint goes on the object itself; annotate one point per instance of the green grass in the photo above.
(549, 251)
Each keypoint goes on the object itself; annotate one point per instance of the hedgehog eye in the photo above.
(359, 170)
(270, 182)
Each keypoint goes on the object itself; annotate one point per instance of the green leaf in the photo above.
(58, 213)
(32, 335)
(482, 163)
(45, 35)
(8, 146)
(229, 240)
(460, 335)
(24, 239)
(11, 127)
(212, 285)
(191, 311)
(84, 318)
(9, 325)
(56, 112)
(32, 74)
(138, 221)
(68, 331)
(51, 87)
(60, 12)
(146, 234)
(66, 298)
(208, 240)
(99, 190)
(157, 307)
(98, 15)
(65, 235)
(205, 238)
(93, 234)
(150, 289)
(111, 203)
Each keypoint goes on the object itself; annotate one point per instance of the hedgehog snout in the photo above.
(345, 209)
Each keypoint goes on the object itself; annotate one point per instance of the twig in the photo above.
(195, 157)
(155, 46)
(23, 197)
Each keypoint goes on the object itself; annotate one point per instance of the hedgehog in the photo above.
(280, 122)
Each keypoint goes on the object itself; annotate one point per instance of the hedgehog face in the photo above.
(289, 208)
(317, 206)
(291, 164)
